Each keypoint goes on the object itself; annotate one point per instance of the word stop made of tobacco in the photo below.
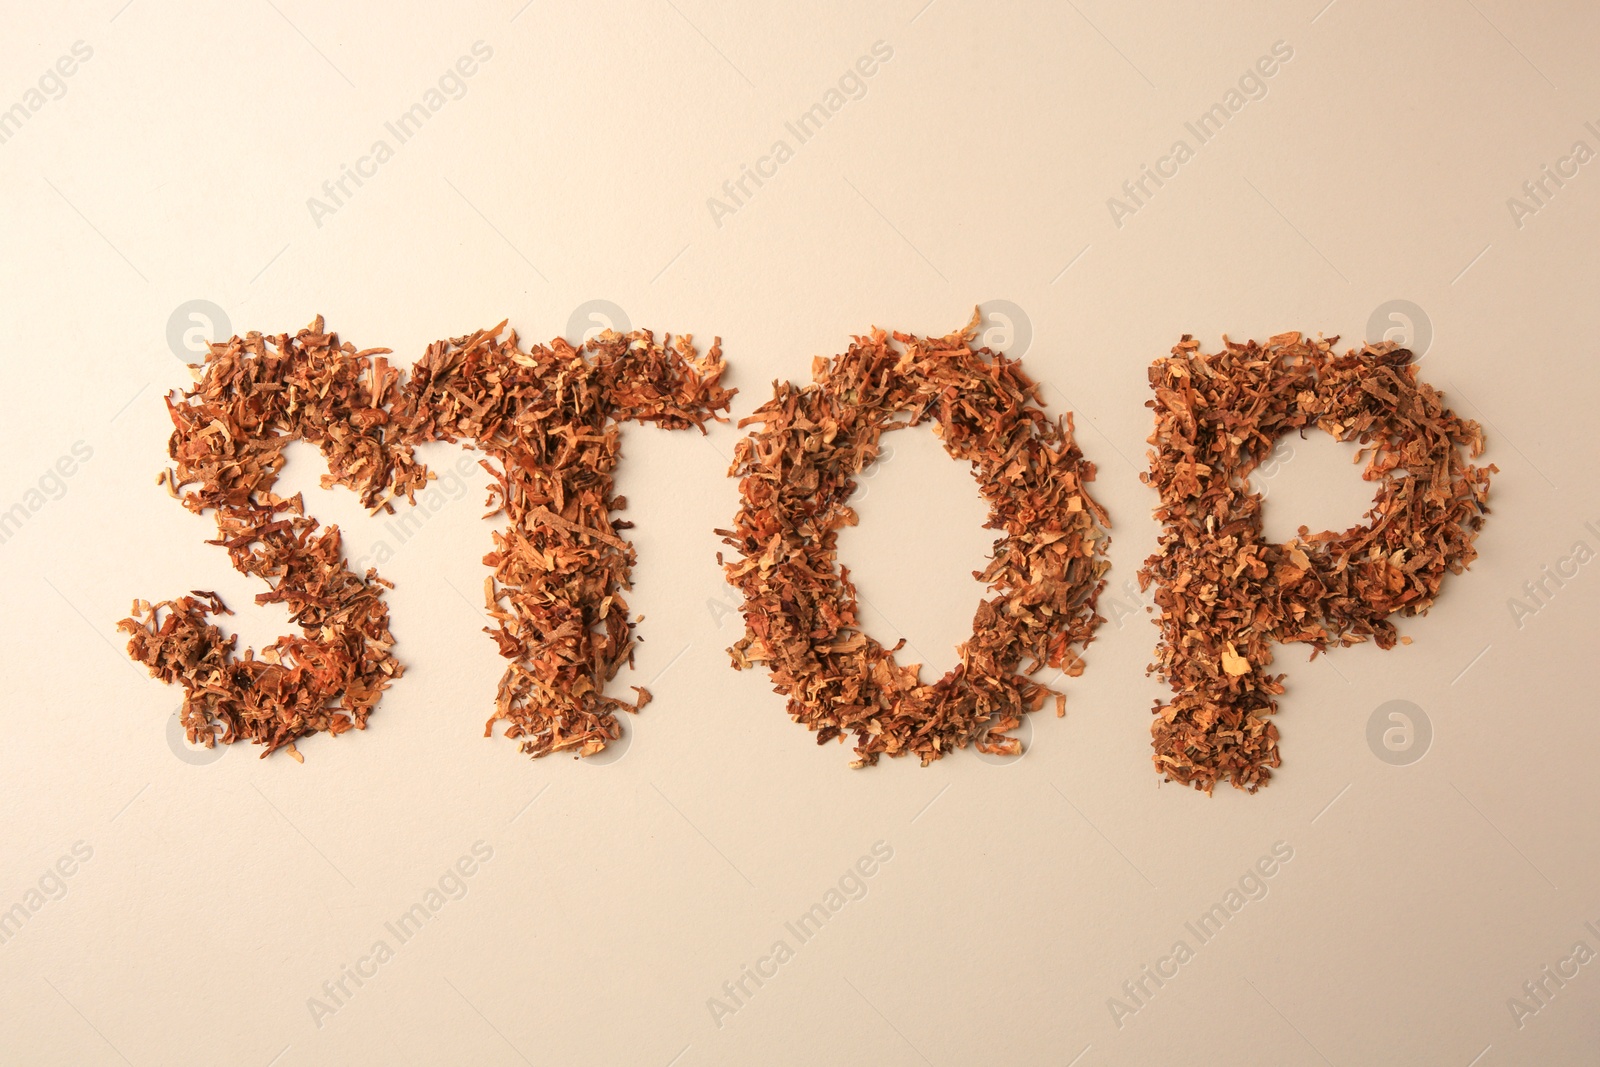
(547, 421)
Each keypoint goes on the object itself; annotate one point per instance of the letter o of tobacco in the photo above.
(797, 473)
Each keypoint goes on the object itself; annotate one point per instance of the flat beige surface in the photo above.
(621, 901)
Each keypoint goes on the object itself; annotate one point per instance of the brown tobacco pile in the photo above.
(796, 477)
(1226, 595)
(548, 415)
(257, 394)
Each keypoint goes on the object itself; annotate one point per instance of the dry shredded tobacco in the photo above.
(549, 416)
(1226, 595)
(796, 477)
(255, 396)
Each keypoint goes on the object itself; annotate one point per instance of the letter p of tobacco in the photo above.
(1226, 595)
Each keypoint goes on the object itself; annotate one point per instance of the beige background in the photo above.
(622, 895)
